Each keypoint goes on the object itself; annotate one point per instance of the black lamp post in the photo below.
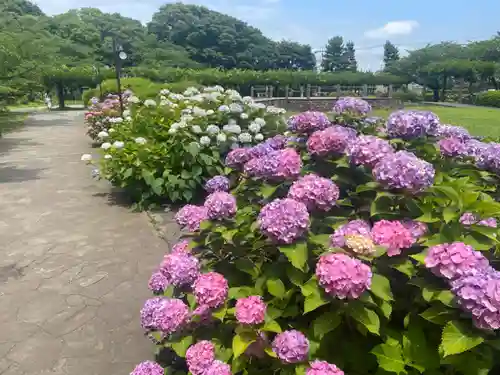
(119, 55)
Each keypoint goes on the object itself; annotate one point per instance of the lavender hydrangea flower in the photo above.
(277, 142)
(411, 124)
(446, 131)
(475, 148)
(211, 289)
(352, 105)
(403, 170)
(489, 158)
(158, 282)
(191, 216)
(468, 218)
(331, 141)
(490, 222)
(354, 227)
(454, 260)
(218, 368)
(308, 122)
(148, 310)
(181, 247)
(260, 150)
(452, 147)
(200, 356)
(220, 205)
(250, 310)
(217, 183)
(148, 368)
(317, 193)
(368, 150)
(323, 368)
(237, 157)
(171, 315)
(180, 268)
(291, 346)
(416, 228)
(342, 276)
(277, 165)
(283, 220)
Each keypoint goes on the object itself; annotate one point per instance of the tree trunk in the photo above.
(435, 94)
(443, 91)
(60, 95)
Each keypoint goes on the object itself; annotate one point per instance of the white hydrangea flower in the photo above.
(165, 103)
(198, 98)
(213, 96)
(175, 96)
(172, 130)
(108, 156)
(128, 118)
(213, 129)
(260, 121)
(126, 112)
(183, 124)
(164, 91)
(244, 116)
(210, 112)
(163, 97)
(191, 91)
(235, 108)
(257, 105)
(245, 138)
(275, 110)
(150, 103)
(174, 105)
(199, 112)
(204, 141)
(111, 130)
(175, 126)
(259, 137)
(103, 134)
(118, 144)
(86, 157)
(134, 99)
(224, 108)
(106, 145)
(233, 139)
(247, 99)
(186, 118)
(186, 111)
(221, 137)
(140, 140)
(235, 129)
(196, 129)
(232, 122)
(254, 127)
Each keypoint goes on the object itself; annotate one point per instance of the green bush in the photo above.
(489, 99)
(407, 96)
(408, 320)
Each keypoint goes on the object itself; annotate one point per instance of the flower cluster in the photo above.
(342, 276)
(469, 218)
(250, 310)
(317, 193)
(291, 346)
(276, 165)
(368, 150)
(323, 368)
(352, 105)
(217, 183)
(147, 368)
(412, 124)
(210, 289)
(220, 205)
(331, 141)
(164, 314)
(190, 217)
(452, 146)
(393, 235)
(447, 131)
(200, 356)
(352, 228)
(180, 268)
(308, 122)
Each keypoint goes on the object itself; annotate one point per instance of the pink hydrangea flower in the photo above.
(181, 247)
(317, 193)
(352, 228)
(368, 150)
(307, 122)
(158, 282)
(331, 141)
(148, 368)
(237, 157)
(455, 260)
(211, 289)
(218, 368)
(393, 235)
(291, 346)
(342, 276)
(283, 220)
(180, 268)
(191, 216)
(220, 205)
(323, 368)
(277, 165)
(250, 310)
(200, 356)
(171, 315)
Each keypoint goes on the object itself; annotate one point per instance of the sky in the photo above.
(368, 23)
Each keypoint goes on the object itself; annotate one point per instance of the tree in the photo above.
(292, 55)
(391, 54)
(333, 59)
(349, 57)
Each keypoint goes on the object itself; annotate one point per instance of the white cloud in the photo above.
(392, 28)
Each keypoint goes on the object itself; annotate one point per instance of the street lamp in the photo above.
(119, 56)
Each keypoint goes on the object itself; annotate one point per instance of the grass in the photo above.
(10, 121)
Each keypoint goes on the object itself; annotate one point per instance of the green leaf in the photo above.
(325, 323)
(406, 267)
(430, 293)
(437, 314)
(320, 239)
(368, 318)
(380, 205)
(193, 148)
(187, 194)
(181, 346)
(240, 292)
(220, 313)
(381, 287)
(267, 190)
(147, 176)
(241, 343)
(157, 186)
(185, 175)
(276, 287)
(247, 266)
(457, 339)
(471, 363)
(297, 254)
(296, 277)
(272, 326)
(419, 353)
(449, 192)
(390, 357)
(313, 301)
(385, 307)
(450, 213)
(128, 173)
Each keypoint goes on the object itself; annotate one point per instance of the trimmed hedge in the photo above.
(489, 99)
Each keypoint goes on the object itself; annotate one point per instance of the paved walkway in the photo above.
(73, 268)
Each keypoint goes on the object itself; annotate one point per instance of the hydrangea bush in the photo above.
(169, 147)
(374, 256)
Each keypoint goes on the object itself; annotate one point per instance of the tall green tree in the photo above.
(333, 57)
(350, 63)
(292, 55)
(391, 54)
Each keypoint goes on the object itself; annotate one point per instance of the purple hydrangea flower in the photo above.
(354, 227)
(455, 260)
(452, 147)
(317, 193)
(217, 183)
(148, 368)
(181, 247)
(416, 228)
(308, 122)
(368, 150)
(469, 218)
(250, 310)
(158, 282)
(277, 165)
(218, 368)
(283, 220)
(352, 105)
(412, 124)
(220, 205)
(260, 150)
(342, 276)
(211, 289)
(323, 368)
(171, 315)
(446, 131)
(475, 148)
(148, 310)
(180, 268)
(489, 158)
(191, 216)
(237, 157)
(291, 346)
(403, 170)
(490, 222)
(331, 141)
(200, 356)
(277, 142)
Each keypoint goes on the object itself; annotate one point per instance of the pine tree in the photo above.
(333, 56)
(350, 62)
(391, 54)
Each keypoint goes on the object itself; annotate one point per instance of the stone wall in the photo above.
(323, 104)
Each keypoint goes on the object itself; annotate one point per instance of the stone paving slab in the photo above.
(73, 268)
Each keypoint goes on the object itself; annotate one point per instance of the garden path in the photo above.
(73, 267)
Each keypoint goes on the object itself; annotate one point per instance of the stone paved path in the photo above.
(73, 268)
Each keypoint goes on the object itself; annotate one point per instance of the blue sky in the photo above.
(368, 23)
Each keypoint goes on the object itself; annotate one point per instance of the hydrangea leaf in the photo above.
(381, 287)
(457, 339)
(418, 352)
(276, 287)
(390, 357)
(181, 345)
(297, 254)
(368, 318)
(241, 343)
(326, 323)
(437, 314)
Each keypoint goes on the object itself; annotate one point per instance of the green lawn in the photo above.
(479, 121)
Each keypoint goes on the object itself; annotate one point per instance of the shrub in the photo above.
(408, 96)
(367, 271)
(168, 148)
(489, 99)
